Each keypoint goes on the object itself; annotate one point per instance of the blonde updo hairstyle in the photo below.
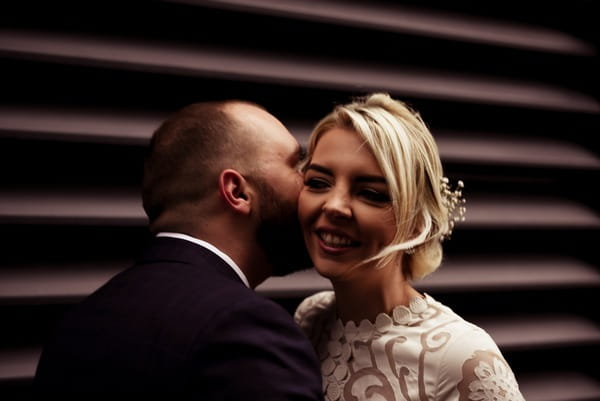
(408, 157)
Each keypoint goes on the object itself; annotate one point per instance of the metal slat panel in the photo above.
(463, 275)
(403, 19)
(559, 386)
(55, 282)
(527, 332)
(549, 386)
(124, 208)
(18, 364)
(74, 280)
(301, 71)
(51, 123)
(136, 129)
(514, 151)
(116, 208)
(531, 332)
(509, 274)
(501, 212)
(499, 149)
(538, 299)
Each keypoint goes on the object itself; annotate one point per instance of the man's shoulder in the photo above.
(251, 307)
(260, 338)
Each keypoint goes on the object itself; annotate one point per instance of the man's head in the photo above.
(186, 154)
(230, 162)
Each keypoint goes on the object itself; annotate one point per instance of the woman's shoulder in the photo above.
(315, 304)
(472, 362)
(474, 365)
(463, 335)
(314, 310)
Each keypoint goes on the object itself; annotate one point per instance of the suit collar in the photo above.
(167, 249)
(211, 248)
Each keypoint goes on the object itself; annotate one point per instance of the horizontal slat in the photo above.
(300, 71)
(500, 149)
(55, 283)
(530, 332)
(549, 386)
(528, 212)
(125, 208)
(136, 129)
(20, 364)
(539, 283)
(559, 386)
(296, 285)
(71, 281)
(511, 274)
(91, 207)
(463, 275)
(50, 123)
(510, 150)
(403, 19)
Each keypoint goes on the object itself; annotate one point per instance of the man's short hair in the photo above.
(187, 153)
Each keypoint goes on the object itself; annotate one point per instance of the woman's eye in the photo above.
(315, 183)
(375, 196)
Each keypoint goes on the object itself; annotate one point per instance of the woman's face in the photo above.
(344, 207)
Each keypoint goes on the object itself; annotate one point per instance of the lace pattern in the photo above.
(487, 376)
(400, 356)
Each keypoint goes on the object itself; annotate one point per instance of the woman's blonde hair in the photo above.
(409, 159)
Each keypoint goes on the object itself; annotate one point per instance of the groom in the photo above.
(220, 190)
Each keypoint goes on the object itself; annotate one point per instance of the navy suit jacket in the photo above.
(180, 320)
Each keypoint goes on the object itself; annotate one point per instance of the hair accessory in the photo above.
(453, 201)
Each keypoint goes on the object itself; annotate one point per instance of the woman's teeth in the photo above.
(335, 240)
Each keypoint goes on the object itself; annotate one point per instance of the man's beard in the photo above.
(280, 235)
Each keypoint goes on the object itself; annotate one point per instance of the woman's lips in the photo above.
(335, 242)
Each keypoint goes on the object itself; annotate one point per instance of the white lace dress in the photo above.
(421, 352)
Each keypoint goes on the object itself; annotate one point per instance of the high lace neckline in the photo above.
(401, 315)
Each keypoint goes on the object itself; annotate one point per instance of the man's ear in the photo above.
(235, 191)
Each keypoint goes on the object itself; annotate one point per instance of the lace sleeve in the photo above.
(312, 312)
(487, 376)
(476, 370)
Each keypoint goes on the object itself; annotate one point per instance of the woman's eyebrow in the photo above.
(360, 178)
(371, 178)
(319, 168)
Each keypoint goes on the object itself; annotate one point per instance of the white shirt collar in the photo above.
(211, 248)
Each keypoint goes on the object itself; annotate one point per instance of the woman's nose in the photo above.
(337, 205)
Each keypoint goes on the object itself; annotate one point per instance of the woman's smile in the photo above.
(335, 242)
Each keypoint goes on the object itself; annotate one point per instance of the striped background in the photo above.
(511, 96)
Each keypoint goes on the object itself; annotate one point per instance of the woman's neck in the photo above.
(371, 292)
